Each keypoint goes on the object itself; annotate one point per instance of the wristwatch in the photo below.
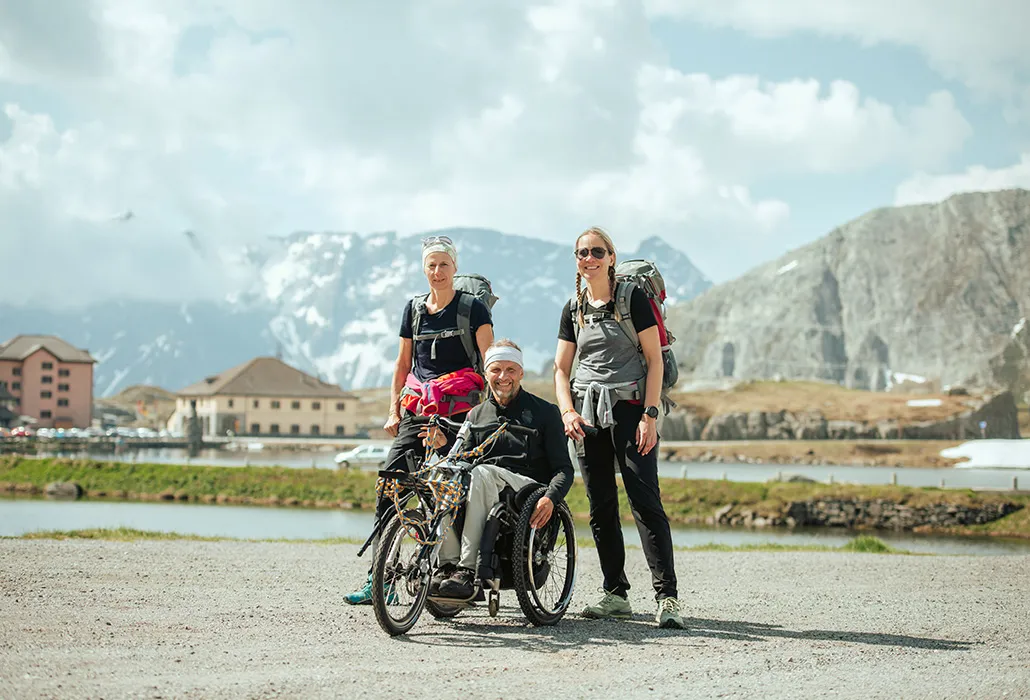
(652, 412)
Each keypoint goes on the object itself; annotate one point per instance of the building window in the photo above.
(46, 379)
(274, 428)
(16, 371)
(294, 430)
(315, 430)
(256, 403)
(46, 394)
(63, 403)
(63, 373)
(15, 386)
(255, 428)
(45, 414)
(48, 365)
(316, 405)
(339, 405)
(230, 403)
(295, 405)
(275, 404)
(62, 387)
(339, 430)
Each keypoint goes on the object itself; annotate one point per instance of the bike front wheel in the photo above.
(401, 575)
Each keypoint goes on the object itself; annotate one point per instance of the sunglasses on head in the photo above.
(597, 251)
(433, 240)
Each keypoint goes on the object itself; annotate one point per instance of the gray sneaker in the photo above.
(668, 616)
(611, 605)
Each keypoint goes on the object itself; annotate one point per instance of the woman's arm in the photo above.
(647, 432)
(571, 419)
(400, 375)
(484, 338)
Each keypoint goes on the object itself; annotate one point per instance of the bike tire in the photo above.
(387, 554)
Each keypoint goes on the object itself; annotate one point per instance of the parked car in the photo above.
(22, 431)
(363, 456)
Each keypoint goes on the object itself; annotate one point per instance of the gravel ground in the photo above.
(84, 618)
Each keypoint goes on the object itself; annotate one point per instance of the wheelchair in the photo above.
(538, 564)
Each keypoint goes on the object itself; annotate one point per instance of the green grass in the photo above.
(686, 502)
(863, 543)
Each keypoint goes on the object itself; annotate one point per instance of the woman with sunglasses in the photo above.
(610, 407)
(434, 372)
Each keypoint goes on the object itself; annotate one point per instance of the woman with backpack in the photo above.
(443, 338)
(610, 407)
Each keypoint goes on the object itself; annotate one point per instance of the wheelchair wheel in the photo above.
(400, 576)
(544, 563)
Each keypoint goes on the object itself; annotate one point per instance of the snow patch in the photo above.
(916, 403)
(106, 355)
(788, 267)
(1018, 328)
(1007, 454)
(901, 377)
(184, 310)
(374, 325)
(119, 376)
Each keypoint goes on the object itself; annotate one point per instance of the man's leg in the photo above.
(484, 492)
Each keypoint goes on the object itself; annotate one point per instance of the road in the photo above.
(185, 619)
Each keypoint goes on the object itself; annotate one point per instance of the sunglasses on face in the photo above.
(433, 240)
(597, 251)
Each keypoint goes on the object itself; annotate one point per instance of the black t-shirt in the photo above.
(639, 308)
(450, 353)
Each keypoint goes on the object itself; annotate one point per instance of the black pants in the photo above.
(618, 444)
(408, 439)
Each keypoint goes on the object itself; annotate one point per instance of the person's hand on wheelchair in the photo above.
(542, 513)
(433, 437)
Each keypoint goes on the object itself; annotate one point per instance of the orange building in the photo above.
(50, 380)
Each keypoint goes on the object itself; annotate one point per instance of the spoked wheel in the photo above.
(400, 576)
(544, 563)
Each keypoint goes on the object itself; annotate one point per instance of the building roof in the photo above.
(264, 376)
(21, 346)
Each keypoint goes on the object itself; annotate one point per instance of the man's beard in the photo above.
(505, 396)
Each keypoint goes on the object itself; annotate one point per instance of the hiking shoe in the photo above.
(461, 584)
(611, 605)
(439, 576)
(668, 616)
(362, 596)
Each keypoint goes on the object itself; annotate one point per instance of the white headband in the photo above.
(503, 352)
(440, 247)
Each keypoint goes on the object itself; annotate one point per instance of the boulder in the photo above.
(63, 490)
(726, 426)
(809, 426)
(844, 429)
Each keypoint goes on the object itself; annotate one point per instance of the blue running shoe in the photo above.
(363, 596)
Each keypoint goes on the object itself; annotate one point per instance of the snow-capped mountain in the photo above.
(329, 304)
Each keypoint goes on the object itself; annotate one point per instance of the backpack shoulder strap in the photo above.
(574, 312)
(468, 340)
(623, 293)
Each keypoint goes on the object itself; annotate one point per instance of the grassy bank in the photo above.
(863, 544)
(687, 502)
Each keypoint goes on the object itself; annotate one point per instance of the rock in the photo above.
(726, 426)
(809, 426)
(778, 426)
(755, 426)
(63, 490)
(721, 514)
(869, 312)
(844, 429)
(792, 478)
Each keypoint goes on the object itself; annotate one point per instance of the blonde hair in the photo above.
(580, 292)
(505, 343)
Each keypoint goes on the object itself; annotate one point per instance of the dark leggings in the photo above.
(602, 451)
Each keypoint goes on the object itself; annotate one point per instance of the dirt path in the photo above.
(83, 618)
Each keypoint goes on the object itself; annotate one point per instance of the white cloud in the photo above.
(923, 188)
(250, 118)
(982, 45)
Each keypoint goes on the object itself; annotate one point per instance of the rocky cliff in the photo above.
(930, 294)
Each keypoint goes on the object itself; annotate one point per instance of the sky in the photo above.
(735, 129)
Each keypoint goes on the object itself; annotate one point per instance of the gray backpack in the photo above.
(475, 287)
(643, 274)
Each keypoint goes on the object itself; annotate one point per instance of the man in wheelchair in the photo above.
(532, 452)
